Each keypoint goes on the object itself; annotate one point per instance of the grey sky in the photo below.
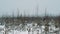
(29, 6)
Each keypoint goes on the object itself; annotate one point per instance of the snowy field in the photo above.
(18, 32)
(27, 29)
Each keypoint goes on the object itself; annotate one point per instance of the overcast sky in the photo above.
(7, 7)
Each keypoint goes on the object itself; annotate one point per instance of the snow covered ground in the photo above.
(1, 32)
(18, 32)
(28, 27)
(23, 32)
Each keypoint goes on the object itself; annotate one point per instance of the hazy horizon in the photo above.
(7, 7)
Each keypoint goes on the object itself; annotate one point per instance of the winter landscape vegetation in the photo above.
(30, 24)
(29, 16)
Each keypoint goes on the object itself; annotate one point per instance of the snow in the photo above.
(18, 32)
(23, 32)
(34, 29)
(2, 26)
(1, 32)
